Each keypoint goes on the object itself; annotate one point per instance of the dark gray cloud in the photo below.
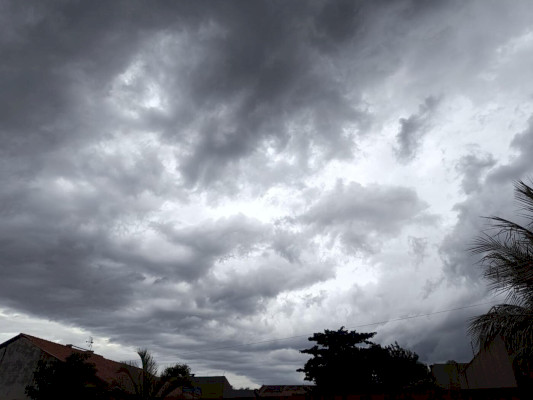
(247, 292)
(418, 248)
(246, 85)
(493, 196)
(471, 167)
(212, 241)
(519, 167)
(414, 128)
(362, 218)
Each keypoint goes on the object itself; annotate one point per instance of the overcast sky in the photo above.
(194, 176)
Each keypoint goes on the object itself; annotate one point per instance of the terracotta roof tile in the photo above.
(107, 370)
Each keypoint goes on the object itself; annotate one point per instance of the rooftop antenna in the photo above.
(90, 343)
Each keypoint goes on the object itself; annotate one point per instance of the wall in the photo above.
(491, 368)
(449, 375)
(18, 360)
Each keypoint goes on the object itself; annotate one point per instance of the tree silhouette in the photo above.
(508, 266)
(73, 379)
(148, 385)
(339, 361)
(400, 368)
(347, 362)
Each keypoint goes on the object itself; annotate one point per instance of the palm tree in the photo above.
(148, 385)
(507, 261)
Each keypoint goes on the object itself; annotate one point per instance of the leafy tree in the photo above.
(73, 379)
(401, 368)
(339, 361)
(148, 385)
(178, 375)
(346, 362)
(507, 264)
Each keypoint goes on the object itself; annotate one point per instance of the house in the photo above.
(19, 357)
(491, 368)
(211, 387)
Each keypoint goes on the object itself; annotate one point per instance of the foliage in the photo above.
(178, 375)
(507, 264)
(148, 385)
(400, 368)
(338, 360)
(348, 362)
(73, 379)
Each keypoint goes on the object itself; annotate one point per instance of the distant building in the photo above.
(19, 357)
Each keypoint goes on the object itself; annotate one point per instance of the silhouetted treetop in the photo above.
(345, 362)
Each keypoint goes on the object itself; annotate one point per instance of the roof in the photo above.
(107, 370)
(284, 390)
(210, 379)
(240, 393)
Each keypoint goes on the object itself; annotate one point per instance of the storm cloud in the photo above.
(216, 181)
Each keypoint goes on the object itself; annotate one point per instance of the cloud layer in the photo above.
(194, 176)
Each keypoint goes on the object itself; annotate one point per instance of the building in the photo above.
(491, 368)
(211, 387)
(20, 355)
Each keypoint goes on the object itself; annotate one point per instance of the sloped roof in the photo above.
(212, 386)
(284, 390)
(210, 379)
(107, 370)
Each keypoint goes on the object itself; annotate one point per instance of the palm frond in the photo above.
(512, 323)
(507, 267)
(507, 260)
(524, 196)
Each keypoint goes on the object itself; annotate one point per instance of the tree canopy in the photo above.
(346, 362)
(73, 379)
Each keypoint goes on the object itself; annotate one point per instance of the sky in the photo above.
(208, 179)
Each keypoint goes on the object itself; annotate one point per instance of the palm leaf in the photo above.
(507, 262)
(511, 322)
